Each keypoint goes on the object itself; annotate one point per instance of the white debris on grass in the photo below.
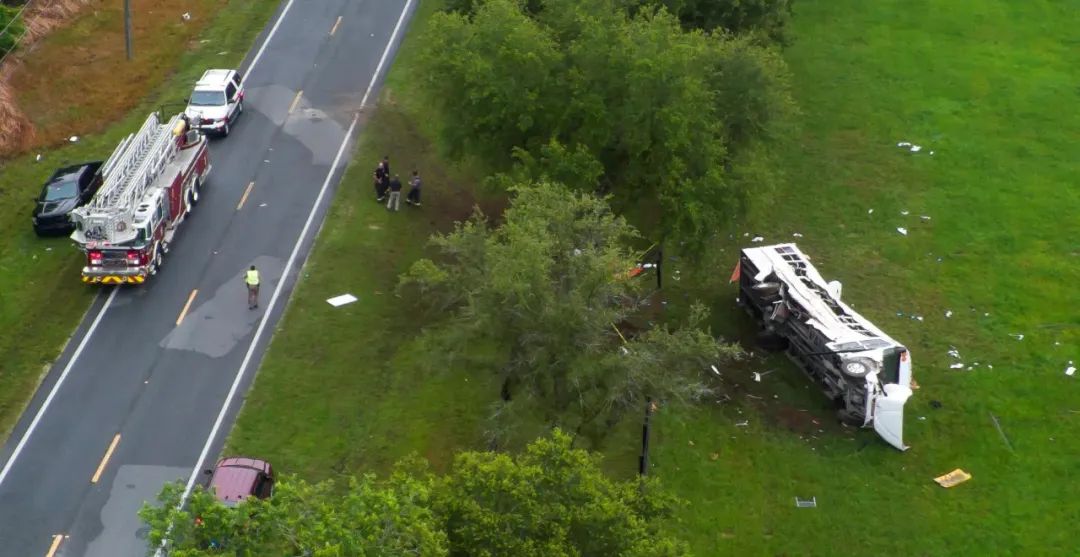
(904, 144)
(73, 138)
(186, 16)
(916, 148)
(948, 313)
(901, 230)
(757, 239)
(1017, 336)
(38, 157)
(796, 235)
(905, 212)
(957, 366)
(341, 300)
(1071, 369)
(924, 218)
(954, 353)
(869, 211)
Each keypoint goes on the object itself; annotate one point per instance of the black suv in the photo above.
(68, 188)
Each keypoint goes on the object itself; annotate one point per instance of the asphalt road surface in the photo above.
(146, 390)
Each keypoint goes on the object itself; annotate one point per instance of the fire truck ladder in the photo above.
(123, 162)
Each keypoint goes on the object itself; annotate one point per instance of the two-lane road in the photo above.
(153, 377)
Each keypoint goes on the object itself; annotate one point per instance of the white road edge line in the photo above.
(101, 312)
(288, 267)
(56, 386)
(269, 36)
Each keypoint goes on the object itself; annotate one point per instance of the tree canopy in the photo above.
(651, 113)
(550, 500)
(550, 288)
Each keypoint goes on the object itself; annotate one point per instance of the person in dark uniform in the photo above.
(414, 191)
(382, 182)
(395, 195)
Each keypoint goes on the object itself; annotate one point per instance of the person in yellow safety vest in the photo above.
(251, 279)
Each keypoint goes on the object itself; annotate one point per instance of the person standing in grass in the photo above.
(414, 191)
(395, 194)
(381, 182)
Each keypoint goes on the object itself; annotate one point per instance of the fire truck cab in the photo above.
(151, 182)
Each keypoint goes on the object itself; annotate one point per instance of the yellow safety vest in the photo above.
(252, 278)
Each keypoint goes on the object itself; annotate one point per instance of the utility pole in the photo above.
(127, 28)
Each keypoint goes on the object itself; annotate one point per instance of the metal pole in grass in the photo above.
(127, 28)
(643, 460)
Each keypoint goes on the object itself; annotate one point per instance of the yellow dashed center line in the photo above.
(56, 539)
(104, 461)
(244, 197)
(295, 100)
(334, 28)
(187, 306)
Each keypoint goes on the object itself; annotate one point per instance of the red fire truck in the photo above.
(151, 182)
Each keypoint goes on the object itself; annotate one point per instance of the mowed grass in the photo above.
(41, 297)
(984, 85)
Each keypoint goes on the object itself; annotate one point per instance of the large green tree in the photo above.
(550, 501)
(651, 113)
(549, 288)
(359, 517)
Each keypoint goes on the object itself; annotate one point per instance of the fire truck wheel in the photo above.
(195, 192)
(159, 259)
(857, 367)
(772, 342)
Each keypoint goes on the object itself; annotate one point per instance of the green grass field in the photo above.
(985, 86)
(41, 297)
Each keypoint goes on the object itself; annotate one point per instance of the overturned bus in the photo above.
(865, 372)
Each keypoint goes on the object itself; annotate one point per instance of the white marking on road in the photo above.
(386, 52)
(56, 387)
(244, 197)
(269, 36)
(295, 100)
(336, 23)
(56, 540)
(187, 306)
(105, 459)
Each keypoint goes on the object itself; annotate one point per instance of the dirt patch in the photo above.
(40, 18)
(71, 76)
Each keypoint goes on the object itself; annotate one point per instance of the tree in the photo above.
(549, 287)
(764, 19)
(355, 517)
(551, 500)
(649, 113)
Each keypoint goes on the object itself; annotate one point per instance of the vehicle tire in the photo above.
(848, 418)
(857, 368)
(159, 260)
(195, 191)
(225, 130)
(772, 342)
(240, 107)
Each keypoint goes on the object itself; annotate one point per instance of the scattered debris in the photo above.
(743, 423)
(714, 370)
(870, 211)
(73, 138)
(691, 443)
(954, 478)
(1071, 369)
(38, 157)
(1017, 336)
(806, 503)
(714, 456)
(922, 418)
(904, 144)
(758, 376)
(924, 218)
(957, 366)
(1004, 438)
(262, 204)
(905, 212)
(341, 300)
(186, 16)
(901, 230)
(796, 235)
(757, 239)
(916, 148)
(948, 313)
